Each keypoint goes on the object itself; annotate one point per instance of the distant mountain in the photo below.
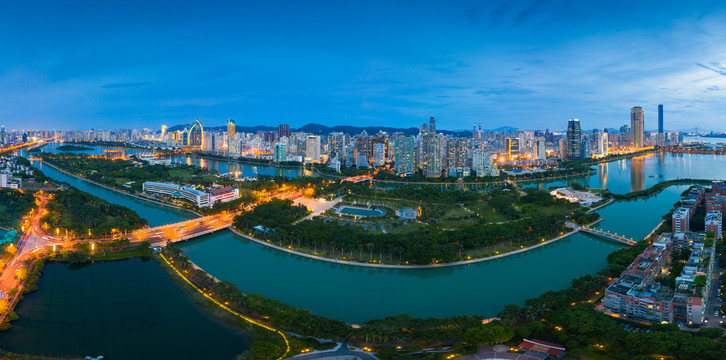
(319, 129)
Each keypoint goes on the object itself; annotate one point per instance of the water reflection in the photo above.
(637, 173)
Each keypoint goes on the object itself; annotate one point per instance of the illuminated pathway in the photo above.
(602, 234)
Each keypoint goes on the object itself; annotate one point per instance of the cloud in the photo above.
(526, 14)
(721, 71)
(118, 85)
(713, 88)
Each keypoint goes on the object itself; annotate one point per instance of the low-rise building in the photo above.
(197, 197)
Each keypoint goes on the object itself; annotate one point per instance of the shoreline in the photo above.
(346, 262)
(121, 191)
(403, 267)
(612, 200)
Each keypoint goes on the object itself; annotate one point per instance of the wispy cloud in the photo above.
(717, 69)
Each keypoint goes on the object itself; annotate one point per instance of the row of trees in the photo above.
(79, 212)
(13, 205)
(273, 214)
(109, 172)
(296, 320)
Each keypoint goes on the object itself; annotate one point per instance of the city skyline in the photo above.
(523, 64)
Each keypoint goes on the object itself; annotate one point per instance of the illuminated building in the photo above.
(404, 155)
(512, 146)
(637, 133)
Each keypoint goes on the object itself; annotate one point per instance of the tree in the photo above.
(491, 333)
(265, 349)
(4, 306)
(22, 274)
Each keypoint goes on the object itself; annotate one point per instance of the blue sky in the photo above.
(527, 64)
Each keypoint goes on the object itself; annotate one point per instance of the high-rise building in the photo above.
(336, 144)
(280, 152)
(431, 146)
(456, 153)
(379, 154)
(483, 164)
(512, 146)
(602, 143)
(540, 148)
(231, 129)
(283, 130)
(404, 154)
(624, 135)
(661, 135)
(163, 130)
(312, 149)
(637, 133)
(573, 145)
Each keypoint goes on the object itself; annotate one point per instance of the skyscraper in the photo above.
(404, 155)
(312, 149)
(661, 135)
(336, 144)
(540, 148)
(431, 147)
(283, 130)
(637, 133)
(512, 145)
(573, 146)
(231, 129)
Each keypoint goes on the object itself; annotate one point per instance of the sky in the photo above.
(526, 64)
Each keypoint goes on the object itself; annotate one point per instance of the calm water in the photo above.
(642, 172)
(354, 294)
(127, 309)
(154, 213)
(219, 166)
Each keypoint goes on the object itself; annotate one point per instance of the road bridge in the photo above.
(182, 231)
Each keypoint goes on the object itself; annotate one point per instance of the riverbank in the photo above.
(198, 214)
(658, 188)
(200, 294)
(396, 266)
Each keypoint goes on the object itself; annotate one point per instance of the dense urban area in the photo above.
(411, 199)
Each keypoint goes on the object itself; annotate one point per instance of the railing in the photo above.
(608, 235)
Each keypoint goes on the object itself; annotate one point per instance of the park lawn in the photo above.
(486, 212)
(456, 217)
(121, 181)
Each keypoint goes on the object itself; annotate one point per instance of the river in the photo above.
(357, 294)
(239, 169)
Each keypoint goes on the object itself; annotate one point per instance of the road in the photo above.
(31, 241)
(713, 320)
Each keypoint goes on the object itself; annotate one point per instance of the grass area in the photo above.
(120, 254)
(486, 212)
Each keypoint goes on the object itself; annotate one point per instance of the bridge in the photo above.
(357, 179)
(602, 234)
(184, 230)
